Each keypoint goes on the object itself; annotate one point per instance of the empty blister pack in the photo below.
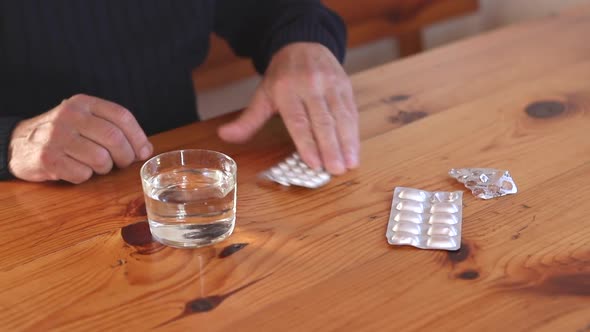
(427, 220)
(486, 183)
(293, 171)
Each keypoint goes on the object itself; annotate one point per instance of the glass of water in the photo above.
(190, 197)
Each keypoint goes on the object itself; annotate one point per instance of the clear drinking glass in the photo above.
(190, 197)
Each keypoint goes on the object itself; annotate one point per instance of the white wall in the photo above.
(492, 14)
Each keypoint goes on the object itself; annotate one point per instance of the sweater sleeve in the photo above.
(7, 124)
(259, 28)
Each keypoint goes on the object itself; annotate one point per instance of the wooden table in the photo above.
(80, 257)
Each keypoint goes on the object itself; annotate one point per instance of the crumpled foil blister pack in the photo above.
(485, 183)
(427, 220)
(293, 171)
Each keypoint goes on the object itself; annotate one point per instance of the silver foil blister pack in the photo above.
(427, 220)
(486, 183)
(293, 171)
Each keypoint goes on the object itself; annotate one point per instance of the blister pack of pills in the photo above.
(427, 220)
(293, 171)
(486, 183)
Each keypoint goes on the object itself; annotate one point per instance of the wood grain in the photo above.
(79, 257)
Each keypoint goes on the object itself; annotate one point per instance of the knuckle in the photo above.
(56, 133)
(52, 132)
(123, 115)
(102, 162)
(324, 120)
(314, 75)
(299, 121)
(124, 158)
(113, 136)
(138, 138)
(351, 148)
(319, 78)
(333, 91)
(282, 84)
(65, 111)
(346, 86)
(80, 97)
(337, 76)
(348, 115)
(48, 164)
(316, 97)
(73, 107)
(47, 158)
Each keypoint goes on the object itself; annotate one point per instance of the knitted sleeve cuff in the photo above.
(7, 124)
(328, 30)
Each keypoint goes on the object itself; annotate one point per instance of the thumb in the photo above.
(250, 121)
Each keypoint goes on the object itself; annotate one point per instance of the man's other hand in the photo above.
(81, 136)
(307, 86)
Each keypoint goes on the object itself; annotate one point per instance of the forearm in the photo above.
(259, 28)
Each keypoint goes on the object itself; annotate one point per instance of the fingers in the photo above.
(71, 170)
(346, 116)
(298, 124)
(80, 136)
(111, 137)
(323, 125)
(250, 121)
(56, 165)
(123, 120)
(90, 154)
(56, 142)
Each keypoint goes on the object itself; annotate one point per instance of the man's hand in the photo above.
(308, 87)
(80, 136)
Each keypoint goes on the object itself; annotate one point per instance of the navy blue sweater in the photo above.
(138, 53)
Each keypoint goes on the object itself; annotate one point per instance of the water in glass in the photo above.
(191, 207)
